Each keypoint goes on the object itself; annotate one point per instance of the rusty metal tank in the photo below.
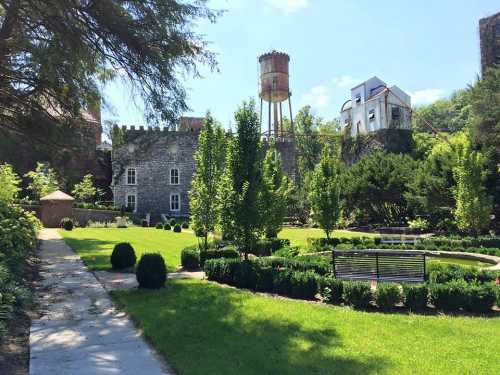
(274, 85)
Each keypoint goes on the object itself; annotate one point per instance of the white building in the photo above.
(374, 106)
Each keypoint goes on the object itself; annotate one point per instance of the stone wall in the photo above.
(489, 34)
(83, 215)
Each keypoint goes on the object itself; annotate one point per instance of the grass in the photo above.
(203, 328)
(298, 236)
(94, 245)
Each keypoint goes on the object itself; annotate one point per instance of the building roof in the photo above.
(57, 196)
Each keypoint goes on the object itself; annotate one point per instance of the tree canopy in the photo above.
(54, 54)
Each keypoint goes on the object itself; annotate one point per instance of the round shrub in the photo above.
(480, 298)
(357, 294)
(190, 259)
(415, 296)
(265, 277)
(67, 223)
(185, 225)
(172, 222)
(123, 256)
(177, 228)
(387, 295)
(331, 289)
(159, 226)
(167, 226)
(377, 241)
(151, 271)
(144, 223)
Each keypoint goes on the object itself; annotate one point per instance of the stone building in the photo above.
(489, 35)
(153, 168)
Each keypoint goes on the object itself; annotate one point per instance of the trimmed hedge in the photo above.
(266, 247)
(159, 226)
(449, 296)
(331, 289)
(443, 273)
(357, 294)
(217, 253)
(185, 225)
(177, 228)
(387, 295)
(190, 259)
(320, 266)
(166, 226)
(415, 296)
(151, 271)
(123, 256)
(144, 223)
(481, 298)
(172, 222)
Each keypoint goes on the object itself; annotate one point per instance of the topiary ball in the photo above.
(159, 226)
(144, 223)
(151, 272)
(123, 256)
(185, 225)
(172, 222)
(177, 228)
(67, 223)
(167, 226)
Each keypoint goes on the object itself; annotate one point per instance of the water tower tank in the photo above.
(274, 85)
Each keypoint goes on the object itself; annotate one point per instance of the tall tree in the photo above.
(276, 189)
(242, 181)
(85, 191)
(473, 205)
(203, 197)
(43, 181)
(325, 192)
(9, 183)
(55, 53)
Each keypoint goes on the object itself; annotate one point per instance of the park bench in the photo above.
(379, 265)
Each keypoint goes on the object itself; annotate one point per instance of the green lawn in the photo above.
(202, 328)
(298, 236)
(94, 245)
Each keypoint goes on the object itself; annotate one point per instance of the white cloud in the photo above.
(317, 97)
(289, 6)
(426, 96)
(346, 81)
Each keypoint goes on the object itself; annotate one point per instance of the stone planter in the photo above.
(121, 221)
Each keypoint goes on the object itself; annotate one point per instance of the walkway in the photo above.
(79, 331)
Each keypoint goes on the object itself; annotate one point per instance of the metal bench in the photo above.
(380, 265)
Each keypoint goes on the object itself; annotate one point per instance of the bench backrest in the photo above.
(380, 265)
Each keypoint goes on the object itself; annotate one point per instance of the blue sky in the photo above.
(429, 49)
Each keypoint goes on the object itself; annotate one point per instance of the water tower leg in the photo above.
(269, 123)
(281, 122)
(291, 118)
(261, 114)
(275, 115)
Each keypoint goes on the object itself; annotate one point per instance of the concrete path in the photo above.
(79, 331)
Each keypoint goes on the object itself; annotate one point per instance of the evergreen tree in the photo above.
(325, 192)
(203, 198)
(85, 191)
(276, 189)
(241, 186)
(473, 205)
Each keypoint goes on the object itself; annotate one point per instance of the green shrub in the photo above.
(144, 223)
(282, 282)
(217, 253)
(220, 270)
(185, 225)
(265, 276)
(266, 247)
(304, 285)
(319, 265)
(480, 298)
(357, 294)
(67, 223)
(190, 259)
(331, 289)
(244, 274)
(387, 295)
(159, 226)
(151, 271)
(287, 252)
(442, 273)
(166, 226)
(123, 256)
(415, 296)
(177, 228)
(172, 222)
(377, 241)
(449, 296)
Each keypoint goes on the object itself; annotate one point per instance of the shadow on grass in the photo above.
(205, 329)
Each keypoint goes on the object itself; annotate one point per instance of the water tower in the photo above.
(275, 89)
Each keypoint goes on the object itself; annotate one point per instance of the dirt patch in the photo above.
(15, 348)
